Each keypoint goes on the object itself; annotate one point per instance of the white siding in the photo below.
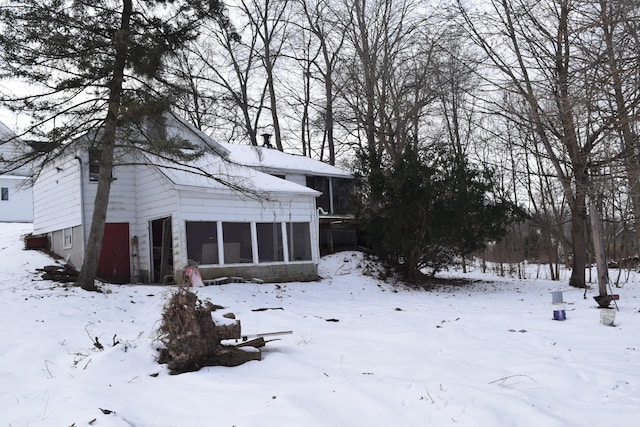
(235, 207)
(155, 198)
(19, 207)
(122, 198)
(57, 197)
(298, 179)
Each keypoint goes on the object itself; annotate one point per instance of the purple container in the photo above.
(559, 315)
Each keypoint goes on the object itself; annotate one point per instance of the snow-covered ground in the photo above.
(362, 353)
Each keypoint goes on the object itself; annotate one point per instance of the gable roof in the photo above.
(274, 161)
(219, 162)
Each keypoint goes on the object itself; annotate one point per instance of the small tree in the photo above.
(420, 214)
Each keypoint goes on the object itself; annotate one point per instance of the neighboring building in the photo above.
(230, 219)
(16, 201)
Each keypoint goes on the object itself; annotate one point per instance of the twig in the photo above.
(46, 405)
(46, 365)
(503, 379)
(429, 395)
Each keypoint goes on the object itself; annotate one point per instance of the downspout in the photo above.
(82, 218)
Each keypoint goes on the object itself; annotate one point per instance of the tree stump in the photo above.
(192, 338)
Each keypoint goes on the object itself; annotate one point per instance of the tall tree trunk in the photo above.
(328, 119)
(368, 68)
(86, 279)
(599, 250)
(577, 155)
(579, 239)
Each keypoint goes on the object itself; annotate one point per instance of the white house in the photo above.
(231, 219)
(16, 201)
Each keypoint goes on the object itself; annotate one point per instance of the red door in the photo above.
(114, 264)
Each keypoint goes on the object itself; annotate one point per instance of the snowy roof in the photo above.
(275, 161)
(213, 172)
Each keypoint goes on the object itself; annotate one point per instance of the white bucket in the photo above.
(607, 316)
(556, 297)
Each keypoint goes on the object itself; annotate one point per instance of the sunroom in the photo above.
(267, 232)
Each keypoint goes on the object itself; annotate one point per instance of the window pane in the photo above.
(343, 195)
(270, 242)
(4, 193)
(237, 242)
(321, 183)
(202, 242)
(299, 241)
(94, 164)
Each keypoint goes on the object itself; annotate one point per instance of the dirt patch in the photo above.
(432, 283)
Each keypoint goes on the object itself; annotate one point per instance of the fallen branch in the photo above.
(503, 379)
(266, 334)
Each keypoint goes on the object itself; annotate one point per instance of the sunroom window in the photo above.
(299, 241)
(202, 242)
(270, 246)
(237, 242)
(203, 239)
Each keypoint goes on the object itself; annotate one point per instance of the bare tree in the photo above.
(618, 23)
(536, 49)
(322, 19)
(221, 69)
(387, 84)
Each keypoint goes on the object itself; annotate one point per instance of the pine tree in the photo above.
(93, 67)
(421, 214)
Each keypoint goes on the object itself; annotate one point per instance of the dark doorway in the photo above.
(114, 264)
(161, 250)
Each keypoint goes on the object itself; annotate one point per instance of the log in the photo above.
(233, 356)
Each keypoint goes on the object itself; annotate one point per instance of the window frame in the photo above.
(67, 238)
(277, 242)
(243, 246)
(200, 251)
(293, 241)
